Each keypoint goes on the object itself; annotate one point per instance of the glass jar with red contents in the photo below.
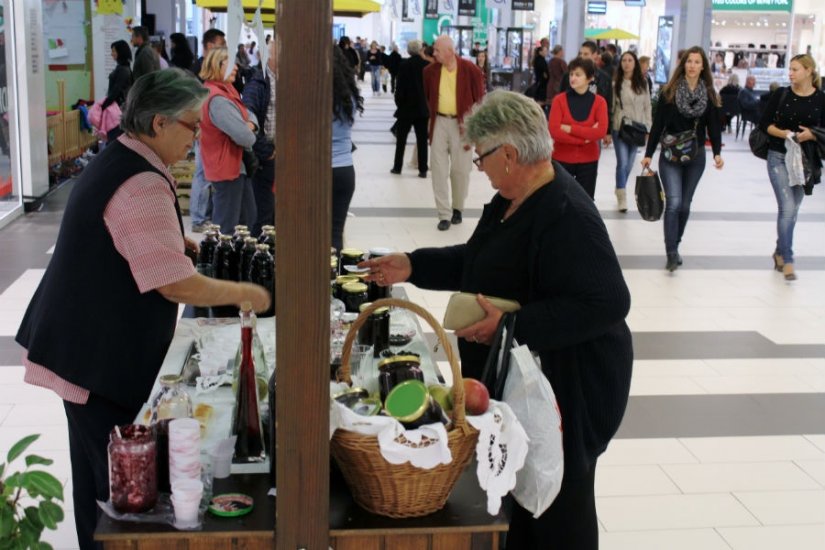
(133, 483)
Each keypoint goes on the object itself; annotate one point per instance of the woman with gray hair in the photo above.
(99, 325)
(541, 242)
(412, 111)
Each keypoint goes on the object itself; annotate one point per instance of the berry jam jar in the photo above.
(133, 484)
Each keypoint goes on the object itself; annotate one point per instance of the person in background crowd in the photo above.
(631, 101)
(484, 66)
(688, 101)
(749, 101)
(146, 59)
(393, 62)
(362, 57)
(268, 38)
(601, 84)
(613, 65)
(259, 97)
(732, 87)
(428, 53)
(349, 52)
(452, 86)
(606, 63)
(731, 92)
(252, 52)
(182, 56)
(159, 46)
(200, 200)
(541, 74)
(375, 63)
(121, 242)
(412, 111)
(120, 80)
(243, 68)
(541, 242)
(644, 65)
(578, 120)
(791, 113)
(476, 49)
(346, 101)
(556, 69)
(718, 65)
(385, 73)
(227, 128)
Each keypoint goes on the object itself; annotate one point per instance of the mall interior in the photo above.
(722, 445)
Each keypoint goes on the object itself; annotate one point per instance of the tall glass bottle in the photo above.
(237, 248)
(246, 420)
(262, 272)
(206, 257)
(247, 252)
(223, 267)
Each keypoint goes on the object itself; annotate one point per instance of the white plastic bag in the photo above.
(531, 397)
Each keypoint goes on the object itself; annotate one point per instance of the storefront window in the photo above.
(10, 200)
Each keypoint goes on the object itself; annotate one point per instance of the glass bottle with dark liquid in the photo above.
(246, 419)
(262, 272)
(206, 256)
(237, 248)
(247, 252)
(223, 270)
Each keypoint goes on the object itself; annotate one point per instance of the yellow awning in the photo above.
(353, 8)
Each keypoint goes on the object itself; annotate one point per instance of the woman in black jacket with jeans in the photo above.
(120, 80)
(688, 102)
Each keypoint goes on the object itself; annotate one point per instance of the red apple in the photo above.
(476, 397)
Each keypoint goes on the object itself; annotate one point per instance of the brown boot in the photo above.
(621, 197)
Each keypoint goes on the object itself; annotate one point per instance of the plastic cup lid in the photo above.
(231, 505)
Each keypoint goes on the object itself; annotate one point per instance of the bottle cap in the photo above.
(246, 305)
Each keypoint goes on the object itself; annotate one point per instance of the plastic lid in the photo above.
(400, 359)
(354, 288)
(170, 379)
(344, 279)
(408, 400)
(231, 505)
(351, 252)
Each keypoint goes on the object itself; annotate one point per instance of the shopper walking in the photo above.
(601, 84)
(541, 75)
(790, 115)
(227, 128)
(631, 103)
(182, 56)
(121, 242)
(578, 120)
(541, 242)
(483, 63)
(411, 112)
(687, 112)
(393, 64)
(146, 59)
(346, 101)
(452, 86)
(375, 61)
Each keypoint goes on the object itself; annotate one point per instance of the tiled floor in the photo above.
(723, 445)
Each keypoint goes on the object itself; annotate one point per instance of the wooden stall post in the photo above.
(303, 222)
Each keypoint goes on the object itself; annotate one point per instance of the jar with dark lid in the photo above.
(397, 369)
(349, 256)
(133, 484)
(378, 292)
(411, 404)
(379, 251)
(375, 331)
(340, 281)
(333, 267)
(353, 295)
(349, 396)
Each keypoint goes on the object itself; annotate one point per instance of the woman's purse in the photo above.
(681, 148)
(758, 139)
(650, 198)
(633, 132)
(250, 162)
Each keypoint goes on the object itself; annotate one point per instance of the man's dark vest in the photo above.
(87, 321)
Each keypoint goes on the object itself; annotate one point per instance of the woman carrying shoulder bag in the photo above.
(688, 110)
(790, 114)
(632, 120)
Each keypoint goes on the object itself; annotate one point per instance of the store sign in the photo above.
(467, 7)
(524, 5)
(753, 5)
(431, 9)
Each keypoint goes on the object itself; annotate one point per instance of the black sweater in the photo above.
(669, 120)
(120, 80)
(553, 256)
(788, 111)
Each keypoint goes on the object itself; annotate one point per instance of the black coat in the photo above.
(409, 89)
(120, 80)
(393, 62)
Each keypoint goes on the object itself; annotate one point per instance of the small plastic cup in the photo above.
(221, 463)
(186, 512)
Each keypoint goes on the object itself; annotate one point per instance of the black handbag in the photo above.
(650, 197)
(633, 132)
(250, 162)
(497, 365)
(758, 139)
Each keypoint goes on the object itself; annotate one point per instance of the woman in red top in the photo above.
(578, 120)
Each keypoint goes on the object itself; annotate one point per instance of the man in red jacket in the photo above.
(452, 85)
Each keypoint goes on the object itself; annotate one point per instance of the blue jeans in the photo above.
(625, 157)
(788, 199)
(680, 183)
(200, 203)
(376, 77)
(234, 203)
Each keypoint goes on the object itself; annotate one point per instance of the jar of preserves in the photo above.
(353, 295)
(397, 369)
(411, 404)
(333, 267)
(133, 486)
(238, 229)
(376, 331)
(349, 256)
(340, 281)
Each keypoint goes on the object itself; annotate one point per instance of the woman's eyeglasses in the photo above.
(479, 159)
(194, 128)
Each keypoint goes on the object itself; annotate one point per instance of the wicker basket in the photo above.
(402, 491)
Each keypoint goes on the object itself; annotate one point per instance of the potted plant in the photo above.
(27, 500)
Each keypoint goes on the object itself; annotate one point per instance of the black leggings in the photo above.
(585, 173)
(343, 187)
(569, 524)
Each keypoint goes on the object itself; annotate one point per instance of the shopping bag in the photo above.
(516, 373)
(650, 198)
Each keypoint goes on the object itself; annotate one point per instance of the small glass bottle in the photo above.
(133, 485)
(268, 238)
(246, 419)
(237, 250)
(206, 254)
(264, 230)
(262, 272)
(224, 269)
(247, 252)
(238, 229)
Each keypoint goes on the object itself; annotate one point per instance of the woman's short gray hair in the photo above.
(414, 47)
(508, 117)
(168, 92)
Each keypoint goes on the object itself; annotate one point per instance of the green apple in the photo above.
(443, 396)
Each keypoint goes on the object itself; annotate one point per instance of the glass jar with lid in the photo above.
(394, 370)
(349, 256)
(133, 485)
(172, 401)
(353, 295)
(411, 404)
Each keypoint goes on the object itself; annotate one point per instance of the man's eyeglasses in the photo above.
(194, 128)
(479, 159)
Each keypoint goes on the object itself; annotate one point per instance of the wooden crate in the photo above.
(71, 120)
(56, 132)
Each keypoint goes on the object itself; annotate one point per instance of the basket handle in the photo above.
(345, 371)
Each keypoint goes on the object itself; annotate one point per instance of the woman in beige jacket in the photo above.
(631, 102)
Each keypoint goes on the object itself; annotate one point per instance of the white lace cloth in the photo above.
(501, 448)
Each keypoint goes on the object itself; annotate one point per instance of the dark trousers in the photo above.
(343, 187)
(233, 203)
(392, 82)
(680, 182)
(585, 173)
(89, 428)
(263, 189)
(569, 524)
(401, 133)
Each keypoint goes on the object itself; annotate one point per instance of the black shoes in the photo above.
(672, 262)
(422, 174)
(443, 225)
(395, 171)
(456, 217)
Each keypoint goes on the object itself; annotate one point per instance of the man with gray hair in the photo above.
(452, 86)
(412, 111)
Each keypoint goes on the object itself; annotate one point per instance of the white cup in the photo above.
(186, 512)
(221, 464)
